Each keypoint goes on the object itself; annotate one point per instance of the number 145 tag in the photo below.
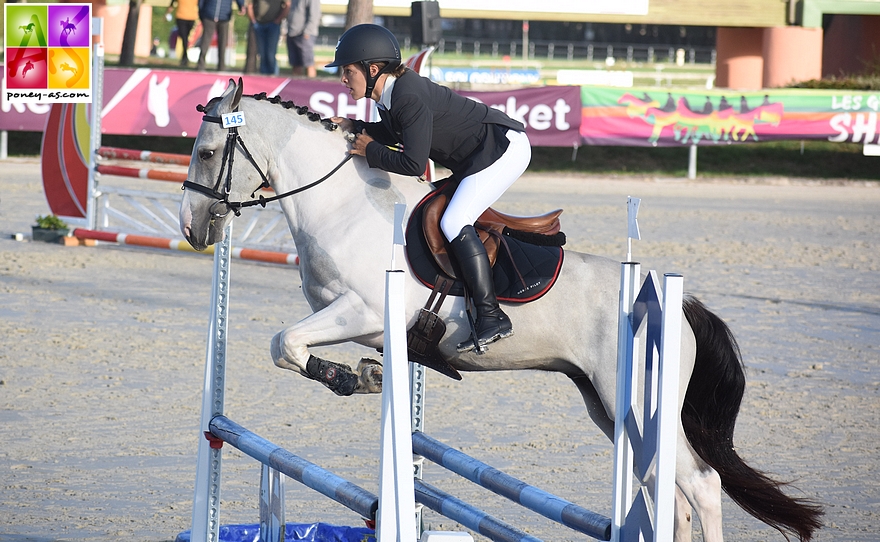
(231, 120)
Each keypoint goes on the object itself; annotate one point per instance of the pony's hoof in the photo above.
(370, 376)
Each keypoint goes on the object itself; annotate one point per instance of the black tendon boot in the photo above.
(492, 324)
(338, 377)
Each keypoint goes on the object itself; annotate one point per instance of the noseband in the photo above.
(233, 139)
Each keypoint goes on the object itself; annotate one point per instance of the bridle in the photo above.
(233, 139)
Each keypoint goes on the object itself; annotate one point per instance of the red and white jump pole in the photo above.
(251, 254)
(144, 156)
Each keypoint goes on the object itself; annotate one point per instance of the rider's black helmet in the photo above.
(366, 44)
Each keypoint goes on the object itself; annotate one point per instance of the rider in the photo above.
(485, 149)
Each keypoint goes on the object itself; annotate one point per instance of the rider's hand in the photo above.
(344, 123)
(359, 145)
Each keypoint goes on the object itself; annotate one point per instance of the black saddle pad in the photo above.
(523, 272)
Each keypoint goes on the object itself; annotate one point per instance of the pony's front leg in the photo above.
(347, 318)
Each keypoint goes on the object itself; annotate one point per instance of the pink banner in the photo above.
(163, 103)
(552, 115)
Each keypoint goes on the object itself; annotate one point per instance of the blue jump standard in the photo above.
(537, 500)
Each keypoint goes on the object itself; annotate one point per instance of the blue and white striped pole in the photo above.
(500, 483)
(307, 473)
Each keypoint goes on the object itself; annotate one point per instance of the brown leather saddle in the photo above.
(490, 227)
(525, 252)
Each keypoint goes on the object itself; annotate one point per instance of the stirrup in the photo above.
(496, 335)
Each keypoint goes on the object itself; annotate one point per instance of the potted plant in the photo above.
(49, 228)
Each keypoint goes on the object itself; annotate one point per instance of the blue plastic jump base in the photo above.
(309, 532)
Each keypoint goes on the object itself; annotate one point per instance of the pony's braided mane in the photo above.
(301, 109)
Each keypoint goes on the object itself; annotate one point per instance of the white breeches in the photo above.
(478, 191)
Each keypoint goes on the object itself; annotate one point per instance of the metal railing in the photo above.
(566, 50)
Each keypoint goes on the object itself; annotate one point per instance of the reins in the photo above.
(233, 139)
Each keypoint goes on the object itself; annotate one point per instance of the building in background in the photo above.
(754, 43)
(758, 43)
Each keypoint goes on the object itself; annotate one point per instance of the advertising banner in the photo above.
(550, 114)
(163, 103)
(657, 117)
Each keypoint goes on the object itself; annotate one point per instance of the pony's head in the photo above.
(239, 149)
(221, 171)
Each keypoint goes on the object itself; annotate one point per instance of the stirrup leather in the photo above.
(423, 338)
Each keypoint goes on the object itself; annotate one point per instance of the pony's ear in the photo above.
(230, 88)
(239, 90)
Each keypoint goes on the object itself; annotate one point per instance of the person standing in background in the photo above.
(266, 17)
(187, 13)
(302, 31)
(215, 15)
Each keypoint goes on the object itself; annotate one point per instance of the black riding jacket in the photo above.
(427, 120)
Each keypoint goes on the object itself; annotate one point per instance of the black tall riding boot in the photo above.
(492, 324)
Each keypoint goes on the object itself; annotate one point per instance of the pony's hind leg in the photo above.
(700, 484)
(683, 529)
(343, 320)
(597, 413)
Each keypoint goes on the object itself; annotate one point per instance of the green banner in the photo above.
(656, 117)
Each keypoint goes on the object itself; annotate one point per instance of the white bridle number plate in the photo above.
(231, 120)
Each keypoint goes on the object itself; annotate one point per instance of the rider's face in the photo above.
(352, 76)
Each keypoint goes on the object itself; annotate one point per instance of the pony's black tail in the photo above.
(710, 408)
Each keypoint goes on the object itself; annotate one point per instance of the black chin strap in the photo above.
(371, 81)
(233, 139)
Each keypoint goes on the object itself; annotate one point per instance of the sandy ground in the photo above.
(102, 356)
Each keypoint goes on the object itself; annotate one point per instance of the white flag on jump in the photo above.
(632, 213)
(399, 211)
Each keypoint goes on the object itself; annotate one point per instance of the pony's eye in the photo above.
(206, 154)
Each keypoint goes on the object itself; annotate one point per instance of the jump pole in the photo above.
(141, 173)
(305, 472)
(251, 254)
(500, 483)
(144, 156)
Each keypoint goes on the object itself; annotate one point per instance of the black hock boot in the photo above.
(338, 377)
(492, 324)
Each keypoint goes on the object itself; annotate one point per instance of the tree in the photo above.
(359, 12)
(126, 54)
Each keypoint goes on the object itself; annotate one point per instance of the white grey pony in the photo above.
(343, 227)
